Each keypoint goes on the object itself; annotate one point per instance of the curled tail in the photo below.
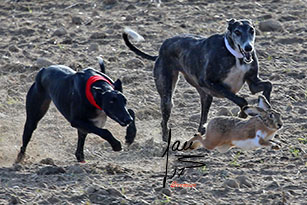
(137, 37)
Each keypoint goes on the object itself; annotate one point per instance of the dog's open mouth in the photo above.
(247, 56)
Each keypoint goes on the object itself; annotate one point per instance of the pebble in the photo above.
(231, 183)
(224, 112)
(115, 192)
(243, 181)
(51, 170)
(76, 20)
(13, 48)
(75, 169)
(48, 161)
(98, 35)
(270, 25)
(43, 62)
(94, 47)
(166, 191)
(60, 32)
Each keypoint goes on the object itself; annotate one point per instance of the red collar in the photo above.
(89, 94)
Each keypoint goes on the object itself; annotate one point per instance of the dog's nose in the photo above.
(248, 48)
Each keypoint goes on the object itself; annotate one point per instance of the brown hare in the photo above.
(223, 132)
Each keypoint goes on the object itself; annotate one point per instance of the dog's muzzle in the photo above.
(247, 53)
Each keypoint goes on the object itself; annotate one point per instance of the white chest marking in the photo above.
(100, 120)
(252, 143)
(235, 77)
(247, 144)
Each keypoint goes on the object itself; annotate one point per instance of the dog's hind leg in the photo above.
(205, 100)
(166, 80)
(80, 147)
(37, 104)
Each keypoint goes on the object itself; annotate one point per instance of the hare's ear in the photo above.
(252, 111)
(263, 103)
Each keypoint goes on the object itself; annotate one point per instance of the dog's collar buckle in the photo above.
(89, 94)
(231, 50)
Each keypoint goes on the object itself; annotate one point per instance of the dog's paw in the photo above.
(20, 157)
(116, 146)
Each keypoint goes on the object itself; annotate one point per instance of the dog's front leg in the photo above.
(103, 133)
(131, 129)
(257, 85)
(220, 89)
(80, 147)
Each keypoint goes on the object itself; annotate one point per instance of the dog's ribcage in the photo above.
(235, 77)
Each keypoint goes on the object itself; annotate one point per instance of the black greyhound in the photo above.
(216, 66)
(84, 98)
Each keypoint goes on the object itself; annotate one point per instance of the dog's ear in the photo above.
(118, 85)
(230, 24)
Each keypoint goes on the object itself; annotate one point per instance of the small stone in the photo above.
(13, 48)
(93, 47)
(76, 20)
(301, 110)
(131, 7)
(14, 200)
(110, 2)
(98, 35)
(231, 183)
(135, 63)
(270, 25)
(75, 169)
(273, 185)
(166, 191)
(60, 32)
(243, 181)
(43, 62)
(114, 192)
(50, 170)
(289, 108)
(48, 161)
(235, 111)
(183, 192)
(224, 112)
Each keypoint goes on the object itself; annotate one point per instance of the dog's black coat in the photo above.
(207, 65)
(66, 89)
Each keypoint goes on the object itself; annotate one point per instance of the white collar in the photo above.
(231, 50)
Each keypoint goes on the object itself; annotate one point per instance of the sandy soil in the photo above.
(35, 34)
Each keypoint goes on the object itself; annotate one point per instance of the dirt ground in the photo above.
(34, 34)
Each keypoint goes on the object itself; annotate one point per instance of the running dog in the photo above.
(216, 66)
(84, 98)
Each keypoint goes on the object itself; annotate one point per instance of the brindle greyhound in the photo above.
(216, 66)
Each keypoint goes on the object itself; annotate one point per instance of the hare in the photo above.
(223, 132)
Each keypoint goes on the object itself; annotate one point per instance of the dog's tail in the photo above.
(137, 37)
(101, 65)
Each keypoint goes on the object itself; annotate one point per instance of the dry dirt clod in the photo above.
(270, 25)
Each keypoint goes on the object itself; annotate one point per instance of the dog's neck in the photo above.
(89, 83)
(231, 50)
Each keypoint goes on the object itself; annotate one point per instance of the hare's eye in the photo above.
(271, 115)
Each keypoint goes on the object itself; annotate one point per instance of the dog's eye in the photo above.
(237, 32)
